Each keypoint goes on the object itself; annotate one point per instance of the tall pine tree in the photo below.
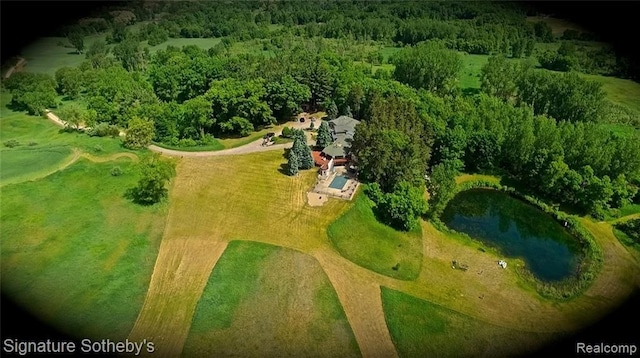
(324, 137)
(292, 163)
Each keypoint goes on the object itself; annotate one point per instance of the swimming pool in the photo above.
(338, 182)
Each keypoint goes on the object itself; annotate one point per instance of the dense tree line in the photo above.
(565, 97)
(580, 164)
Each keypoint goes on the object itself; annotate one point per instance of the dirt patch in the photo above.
(315, 199)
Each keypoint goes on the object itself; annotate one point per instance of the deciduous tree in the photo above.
(139, 133)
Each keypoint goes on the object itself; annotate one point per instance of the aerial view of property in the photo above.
(318, 179)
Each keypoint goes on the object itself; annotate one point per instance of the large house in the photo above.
(337, 153)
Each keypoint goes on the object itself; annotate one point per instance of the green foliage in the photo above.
(11, 143)
(76, 38)
(430, 66)
(139, 133)
(116, 171)
(292, 163)
(237, 125)
(441, 186)
(197, 117)
(97, 55)
(103, 130)
(400, 208)
(285, 96)
(69, 81)
(150, 189)
(286, 132)
(131, 54)
(498, 78)
(332, 110)
(74, 115)
(543, 31)
(303, 153)
(117, 95)
(631, 228)
(245, 99)
(394, 145)
(324, 136)
(33, 92)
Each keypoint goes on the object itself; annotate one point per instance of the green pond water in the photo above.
(517, 229)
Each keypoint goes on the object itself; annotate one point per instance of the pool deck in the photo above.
(348, 190)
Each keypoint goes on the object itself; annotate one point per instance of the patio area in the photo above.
(340, 184)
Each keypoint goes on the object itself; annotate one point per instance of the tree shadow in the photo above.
(15, 107)
(285, 153)
(283, 169)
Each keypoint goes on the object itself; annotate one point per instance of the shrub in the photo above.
(286, 132)
(187, 142)
(116, 171)
(31, 144)
(11, 143)
(97, 148)
(103, 129)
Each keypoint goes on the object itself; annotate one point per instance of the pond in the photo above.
(516, 229)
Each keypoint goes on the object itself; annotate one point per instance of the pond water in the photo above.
(517, 229)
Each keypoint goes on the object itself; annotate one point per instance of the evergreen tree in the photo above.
(303, 152)
(292, 163)
(324, 137)
(332, 110)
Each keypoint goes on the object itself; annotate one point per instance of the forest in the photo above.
(395, 66)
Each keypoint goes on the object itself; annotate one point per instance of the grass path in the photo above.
(362, 302)
(624, 218)
(74, 157)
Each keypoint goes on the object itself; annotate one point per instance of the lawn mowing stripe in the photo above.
(179, 277)
(362, 303)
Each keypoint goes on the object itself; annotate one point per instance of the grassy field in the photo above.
(359, 237)
(43, 147)
(48, 54)
(75, 252)
(620, 91)
(470, 74)
(423, 329)
(279, 297)
(22, 163)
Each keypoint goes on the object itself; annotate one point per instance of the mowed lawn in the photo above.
(219, 199)
(361, 238)
(248, 197)
(75, 252)
(420, 328)
(263, 300)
